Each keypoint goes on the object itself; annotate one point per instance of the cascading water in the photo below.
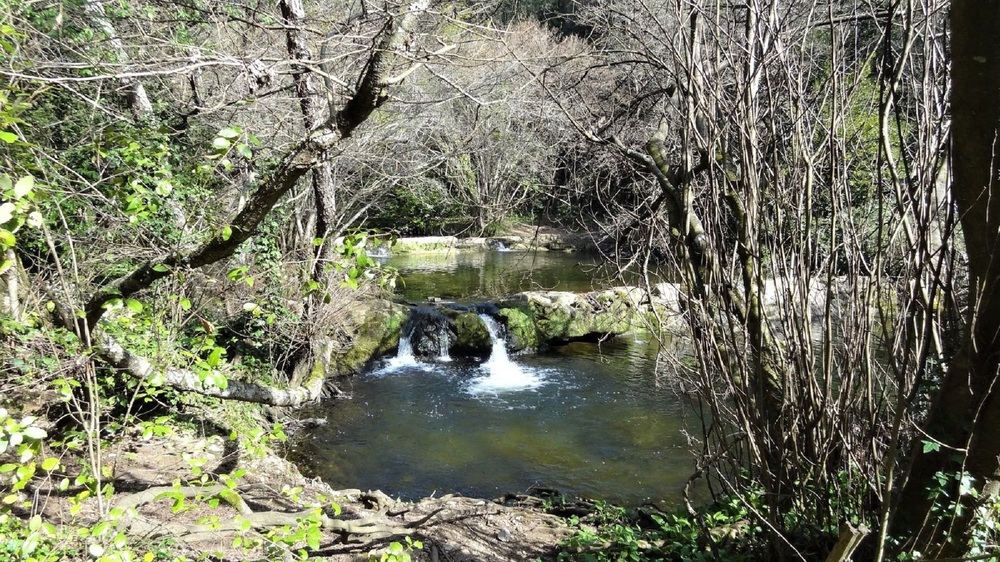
(594, 422)
(502, 375)
(404, 355)
(443, 356)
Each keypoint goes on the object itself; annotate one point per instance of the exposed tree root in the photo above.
(362, 530)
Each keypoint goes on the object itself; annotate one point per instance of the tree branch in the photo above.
(188, 381)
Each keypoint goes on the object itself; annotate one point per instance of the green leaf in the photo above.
(161, 268)
(185, 304)
(50, 464)
(133, 305)
(8, 137)
(244, 151)
(227, 232)
(6, 212)
(34, 432)
(24, 186)
(220, 143)
(215, 357)
(931, 446)
(30, 544)
(230, 132)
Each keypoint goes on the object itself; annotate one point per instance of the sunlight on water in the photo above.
(594, 420)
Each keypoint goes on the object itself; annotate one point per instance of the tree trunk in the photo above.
(311, 104)
(310, 154)
(135, 93)
(965, 414)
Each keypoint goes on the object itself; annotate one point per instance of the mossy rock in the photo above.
(537, 318)
(521, 328)
(377, 334)
(424, 244)
(471, 334)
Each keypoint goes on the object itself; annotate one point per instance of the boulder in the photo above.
(471, 335)
(538, 318)
(376, 333)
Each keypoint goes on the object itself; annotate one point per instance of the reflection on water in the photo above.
(596, 425)
(466, 276)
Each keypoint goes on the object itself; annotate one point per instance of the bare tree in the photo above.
(795, 151)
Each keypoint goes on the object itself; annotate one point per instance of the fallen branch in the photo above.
(182, 379)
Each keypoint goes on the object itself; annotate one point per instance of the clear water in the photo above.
(588, 420)
(469, 276)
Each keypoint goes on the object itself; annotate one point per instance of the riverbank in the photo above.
(211, 483)
(521, 237)
(449, 527)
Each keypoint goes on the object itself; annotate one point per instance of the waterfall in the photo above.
(501, 373)
(443, 356)
(404, 355)
(498, 353)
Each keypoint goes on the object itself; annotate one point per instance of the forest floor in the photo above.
(148, 473)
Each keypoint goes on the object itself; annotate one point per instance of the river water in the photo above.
(592, 420)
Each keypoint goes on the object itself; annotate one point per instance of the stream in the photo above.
(591, 420)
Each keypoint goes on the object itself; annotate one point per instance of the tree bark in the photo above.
(138, 101)
(311, 105)
(140, 368)
(965, 414)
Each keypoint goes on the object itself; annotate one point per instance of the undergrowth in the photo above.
(722, 531)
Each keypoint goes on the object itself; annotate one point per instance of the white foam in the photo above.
(502, 374)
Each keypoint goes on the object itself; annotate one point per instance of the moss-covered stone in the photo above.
(537, 318)
(423, 244)
(377, 334)
(521, 328)
(471, 334)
